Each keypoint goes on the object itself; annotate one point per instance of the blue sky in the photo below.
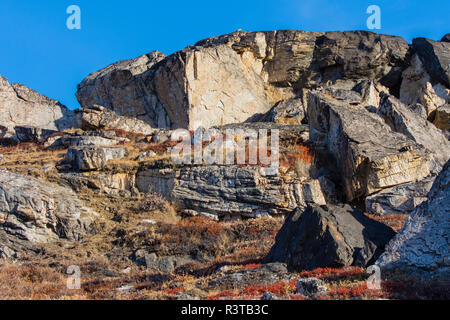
(39, 51)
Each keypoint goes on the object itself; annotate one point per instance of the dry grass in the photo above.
(395, 221)
(34, 282)
(123, 229)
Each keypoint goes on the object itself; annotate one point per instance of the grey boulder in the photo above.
(88, 158)
(34, 212)
(401, 199)
(424, 241)
(21, 106)
(329, 236)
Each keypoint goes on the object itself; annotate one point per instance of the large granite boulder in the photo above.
(424, 241)
(35, 212)
(233, 78)
(329, 236)
(369, 155)
(21, 106)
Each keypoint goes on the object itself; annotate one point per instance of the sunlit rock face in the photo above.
(235, 77)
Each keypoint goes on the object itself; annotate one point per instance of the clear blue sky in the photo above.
(38, 50)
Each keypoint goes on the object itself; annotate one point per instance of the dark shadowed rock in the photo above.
(360, 55)
(446, 38)
(424, 241)
(329, 236)
(269, 296)
(435, 56)
(32, 134)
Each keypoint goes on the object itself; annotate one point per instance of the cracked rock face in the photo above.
(423, 243)
(87, 158)
(234, 77)
(418, 87)
(34, 212)
(370, 156)
(224, 192)
(329, 236)
(99, 117)
(21, 106)
(442, 118)
(423, 132)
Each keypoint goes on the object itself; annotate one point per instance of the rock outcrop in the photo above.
(101, 118)
(369, 155)
(32, 134)
(312, 287)
(21, 106)
(418, 87)
(442, 117)
(224, 192)
(423, 132)
(423, 243)
(35, 212)
(87, 158)
(329, 236)
(286, 112)
(233, 192)
(118, 88)
(233, 78)
(401, 199)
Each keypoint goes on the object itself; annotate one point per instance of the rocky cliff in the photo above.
(232, 78)
(21, 106)
(358, 123)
